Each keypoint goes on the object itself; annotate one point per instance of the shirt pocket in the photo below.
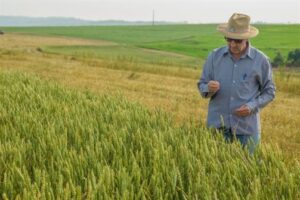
(245, 77)
(246, 86)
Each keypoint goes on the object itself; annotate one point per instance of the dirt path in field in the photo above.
(164, 53)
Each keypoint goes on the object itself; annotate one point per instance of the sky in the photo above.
(192, 11)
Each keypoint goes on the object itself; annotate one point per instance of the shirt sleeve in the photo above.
(206, 77)
(267, 89)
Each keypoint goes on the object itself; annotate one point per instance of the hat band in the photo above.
(233, 30)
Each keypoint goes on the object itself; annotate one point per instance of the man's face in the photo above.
(236, 46)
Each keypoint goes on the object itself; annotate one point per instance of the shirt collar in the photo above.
(249, 51)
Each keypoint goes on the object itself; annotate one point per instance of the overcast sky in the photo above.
(193, 11)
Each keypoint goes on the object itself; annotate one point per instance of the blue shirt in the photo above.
(246, 81)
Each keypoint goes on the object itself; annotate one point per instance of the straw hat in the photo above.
(238, 27)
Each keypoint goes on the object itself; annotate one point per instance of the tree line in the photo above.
(293, 59)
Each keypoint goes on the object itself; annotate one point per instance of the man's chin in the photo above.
(235, 51)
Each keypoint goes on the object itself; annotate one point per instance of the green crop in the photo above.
(57, 143)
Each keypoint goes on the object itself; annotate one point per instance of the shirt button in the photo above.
(231, 98)
(233, 81)
(235, 65)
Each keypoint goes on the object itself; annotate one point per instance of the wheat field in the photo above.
(95, 128)
(171, 88)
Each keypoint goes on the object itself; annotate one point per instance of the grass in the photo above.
(121, 34)
(192, 40)
(58, 143)
(127, 54)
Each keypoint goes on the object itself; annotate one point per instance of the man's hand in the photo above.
(243, 111)
(213, 86)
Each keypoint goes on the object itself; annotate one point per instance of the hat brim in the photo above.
(253, 32)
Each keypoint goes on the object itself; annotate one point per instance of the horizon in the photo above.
(133, 21)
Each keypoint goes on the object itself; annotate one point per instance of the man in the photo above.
(238, 81)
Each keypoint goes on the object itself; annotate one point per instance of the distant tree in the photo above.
(278, 60)
(293, 59)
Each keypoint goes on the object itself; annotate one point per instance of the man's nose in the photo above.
(232, 43)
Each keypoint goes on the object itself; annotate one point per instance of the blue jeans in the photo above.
(251, 142)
